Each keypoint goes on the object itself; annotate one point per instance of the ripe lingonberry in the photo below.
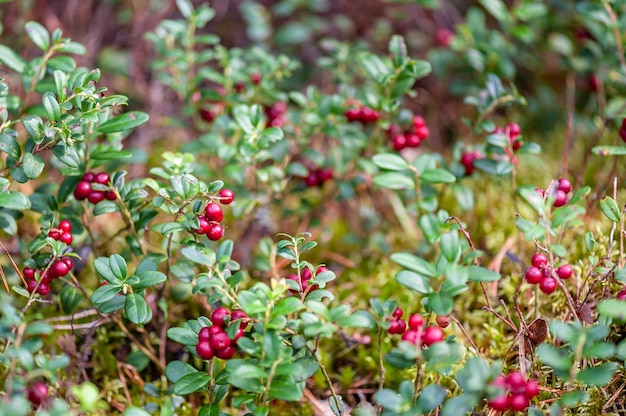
(397, 326)
(218, 316)
(467, 160)
(102, 178)
(82, 190)
(213, 212)
(43, 289)
(499, 403)
(241, 316)
(418, 121)
(413, 140)
(443, 321)
(204, 226)
(59, 268)
(560, 199)
(565, 271)
(215, 232)
(432, 335)
(28, 273)
(518, 402)
(621, 295)
(413, 336)
(65, 225)
(203, 334)
(533, 275)
(622, 133)
(238, 335)
(312, 180)
(565, 185)
(55, 234)
(324, 174)
(226, 196)
(353, 114)
(255, 78)
(226, 354)
(204, 350)
(422, 132)
(214, 329)
(69, 262)
(66, 238)
(38, 393)
(397, 313)
(516, 381)
(514, 130)
(532, 389)
(368, 114)
(95, 196)
(547, 285)
(219, 341)
(416, 321)
(444, 37)
(88, 177)
(399, 142)
(539, 260)
(31, 285)
(110, 195)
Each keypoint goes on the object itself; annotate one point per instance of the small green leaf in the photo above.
(10, 146)
(123, 122)
(38, 34)
(394, 180)
(177, 369)
(117, 264)
(414, 281)
(190, 383)
(148, 279)
(610, 209)
(599, 375)
(137, 309)
(359, 319)
(497, 9)
(440, 303)
(414, 263)
(182, 335)
(33, 165)
(390, 161)
(612, 308)
(50, 104)
(437, 176)
(12, 59)
(105, 293)
(14, 200)
(482, 274)
(431, 397)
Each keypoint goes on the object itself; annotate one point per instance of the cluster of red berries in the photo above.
(517, 392)
(317, 176)
(416, 334)
(410, 138)
(622, 130)
(84, 189)
(276, 114)
(540, 273)
(213, 341)
(564, 187)
(305, 276)
(468, 158)
(37, 393)
(213, 214)
(62, 233)
(513, 131)
(364, 114)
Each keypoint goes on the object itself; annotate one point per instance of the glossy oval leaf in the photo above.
(123, 122)
(191, 383)
(390, 161)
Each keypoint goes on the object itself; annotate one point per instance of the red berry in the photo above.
(324, 174)
(422, 132)
(444, 37)
(501, 382)
(548, 285)
(413, 336)
(43, 289)
(110, 195)
(48, 277)
(65, 225)
(102, 178)
(353, 114)
(397, 326)
(565, 271)
(215, 232)
(226, 196)
(518, 402)
(59, 268)
(207, 115)
(38, 393)
(418, 121)
(67, 238)
(95, 196)
(514, 130)
(31, 285)
(560, 199)
(397, 313)
(220, 341)
(432, 334)
(467, 160)
(565, 185)
(69, 262)
(238, 335)
(255, 78)
(226, 354)
(443, 321)
(533, 275)
(532, 389)
(321, 269)
(516, 144)
(213, 212)
(204, 350)
(416, 321)
(413, 140)
(621, 295)
(368, 114)
(516, 381)
(399, 142)
(306, 273)
(541, 192)
(55, 234)
(214, 329)
(28, 273)
(218, 316)
(622, 133)
(312, 180)
(539, 260)
(241, 316)
(204, 226)
(203, 334)
(88, 177)
(82, 190)
(499, 403)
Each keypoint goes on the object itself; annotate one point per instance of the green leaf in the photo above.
(610, 209)
(437, 176)
(135, 411)
(482, 274)
(190, 383)
(182, 335)
(199, 255)
(286, 306)
(398, 50)
(33, 165)
(103, 268)
(117, 265)
(414, 281)
(459, 405)
(414, 263)
(440, 303)
(38, 34)
(10, 146)
(137, 309)
(599, 375)
(123, 122)
(612, 308)
(559, 360)
(12, 59)
(248, 377)
(390, 161)
(359, 319)
(394, 180)
(148, 279)
(50, 104)
(389, 399)
(497, 9)
(105, 207)
(430, 397)
(14, 200)
(105, 293)
(284, 390)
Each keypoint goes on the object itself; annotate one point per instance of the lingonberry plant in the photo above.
(334, 227)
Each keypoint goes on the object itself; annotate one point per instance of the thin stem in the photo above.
(327, 378)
